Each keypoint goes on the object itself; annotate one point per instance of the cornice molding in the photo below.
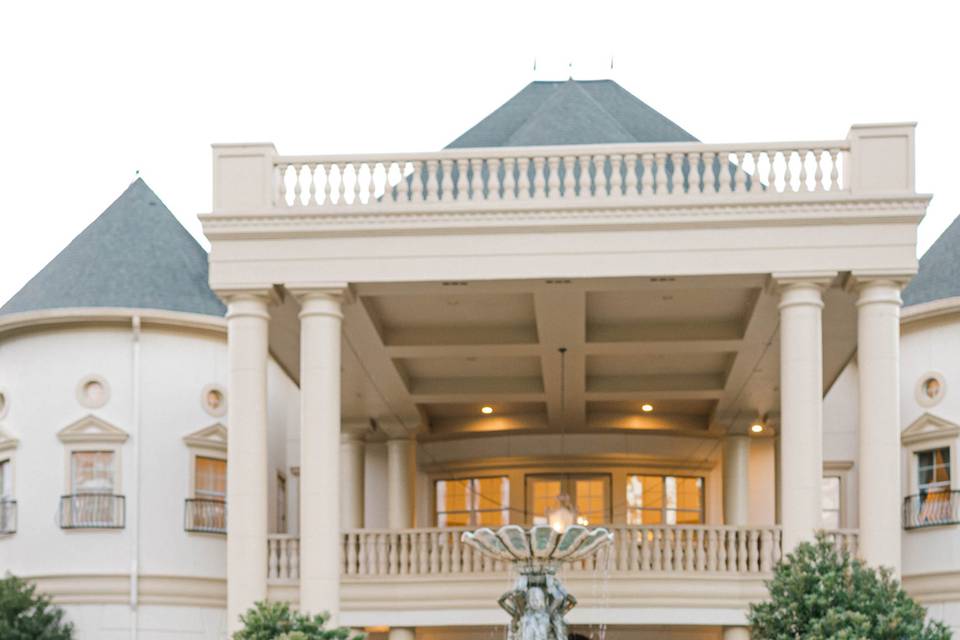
(929, 427)
(212, 437)
(53, 318)
(657, 211)
(90, 428)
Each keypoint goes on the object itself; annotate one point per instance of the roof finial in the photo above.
(570, 68)
(611, 63)
(534, 63)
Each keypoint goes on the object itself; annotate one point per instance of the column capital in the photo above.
(353, 431)
(877, 286)
(251, 302)
(321, 300)
(786, 279)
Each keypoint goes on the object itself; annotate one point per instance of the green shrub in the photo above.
(27, 615)
(818, 593)
(277, 621)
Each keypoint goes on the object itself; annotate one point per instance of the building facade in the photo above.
(700, 345)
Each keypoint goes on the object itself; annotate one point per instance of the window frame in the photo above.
(471, 513)
(664, 509)
(567, 484)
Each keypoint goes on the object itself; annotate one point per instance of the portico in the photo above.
(407, 292)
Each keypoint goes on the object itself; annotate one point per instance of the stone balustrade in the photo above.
(558, 174)
(637, 550)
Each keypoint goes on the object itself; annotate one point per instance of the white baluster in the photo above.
(709, 177)
(755, 184)
(644, 538)
(712, 550)
(432, 184)
(701, 543)
(493, 178)
(383, 554)
(424, 553)
(787, 175)
(803, 170)
(772, 172)
(362, 554)
(689, 550)
(295, 559)
(599, 175)
(446, 182)
(455, 566)
(818, 170)
(693, 172)
(281, 184)
(539, 180)
(351, 553)
(739, 175)
(569, 180)
(677, 178)
(667, 534)
(723, 169)
(657, 552)
(476, 180)
(312, 184)
(272, 553)
(393, 554)
(834, 169)
(662, 187)
(463, 183)
(616, 180)
(584, 180)
(630, 184)
(523, 189)
(742, 550)
(731, 550)
(434, 552)
(297, 186)
(753, 552)
(509, 181)
(766, 552)
(444, 541)
(356, 182)
(553, 179)
(327, 184)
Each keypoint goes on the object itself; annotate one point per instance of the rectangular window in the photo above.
(589, 496)
(281, 503)
(664, 500)
(830, 502)
(210, 478)
(473, 502)
(933, 471)
(92, 471)
(6, 481)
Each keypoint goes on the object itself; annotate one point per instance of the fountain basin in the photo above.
(540, 543)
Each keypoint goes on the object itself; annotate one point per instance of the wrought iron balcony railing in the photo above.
(931, 509)
(92, 511)
(8, 516)
(205, 516)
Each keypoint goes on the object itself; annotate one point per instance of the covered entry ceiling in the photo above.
(688, 355)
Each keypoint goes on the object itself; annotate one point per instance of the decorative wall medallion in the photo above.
(214, 400)
(930, 389)
(93, 392)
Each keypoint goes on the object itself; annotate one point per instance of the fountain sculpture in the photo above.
(538, 601)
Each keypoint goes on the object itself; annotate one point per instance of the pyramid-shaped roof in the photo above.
(572, 112)
(939, 273)
(136, 254)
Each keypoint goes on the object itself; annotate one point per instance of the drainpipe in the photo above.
(135, 489)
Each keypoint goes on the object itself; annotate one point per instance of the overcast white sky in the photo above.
(91, 92)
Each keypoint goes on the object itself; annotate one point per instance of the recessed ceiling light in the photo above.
(647, 408)
(486, 410)
(757, 428)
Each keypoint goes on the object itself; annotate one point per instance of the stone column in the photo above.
(878, 359)
(736, 633)
(247, 324)
(736, 492)
(320, 328)
(352, 452)
(401, 466)
(801, 409)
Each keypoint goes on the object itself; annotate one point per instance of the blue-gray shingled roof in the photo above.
(136, 254)
(939, 273)
(572, 112)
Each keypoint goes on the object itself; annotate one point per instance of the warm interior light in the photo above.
(757, 428)
(647, 408)
(562, 516)
(486, 410)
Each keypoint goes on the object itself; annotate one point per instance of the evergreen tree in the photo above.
(26, 615)
(277, 621)
(818, 593)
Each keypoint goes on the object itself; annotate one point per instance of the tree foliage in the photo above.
(818, 593)
(27, 615)
(277, 621)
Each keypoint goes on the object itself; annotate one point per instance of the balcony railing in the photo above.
(8, 516)
(578, 173)
(636, 550)
(205, 516)
(931, 509)
(92, 511)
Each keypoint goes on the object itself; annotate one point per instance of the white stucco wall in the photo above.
(39, 374)
(931, 556)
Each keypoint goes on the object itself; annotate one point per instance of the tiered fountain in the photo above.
(538, 601)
